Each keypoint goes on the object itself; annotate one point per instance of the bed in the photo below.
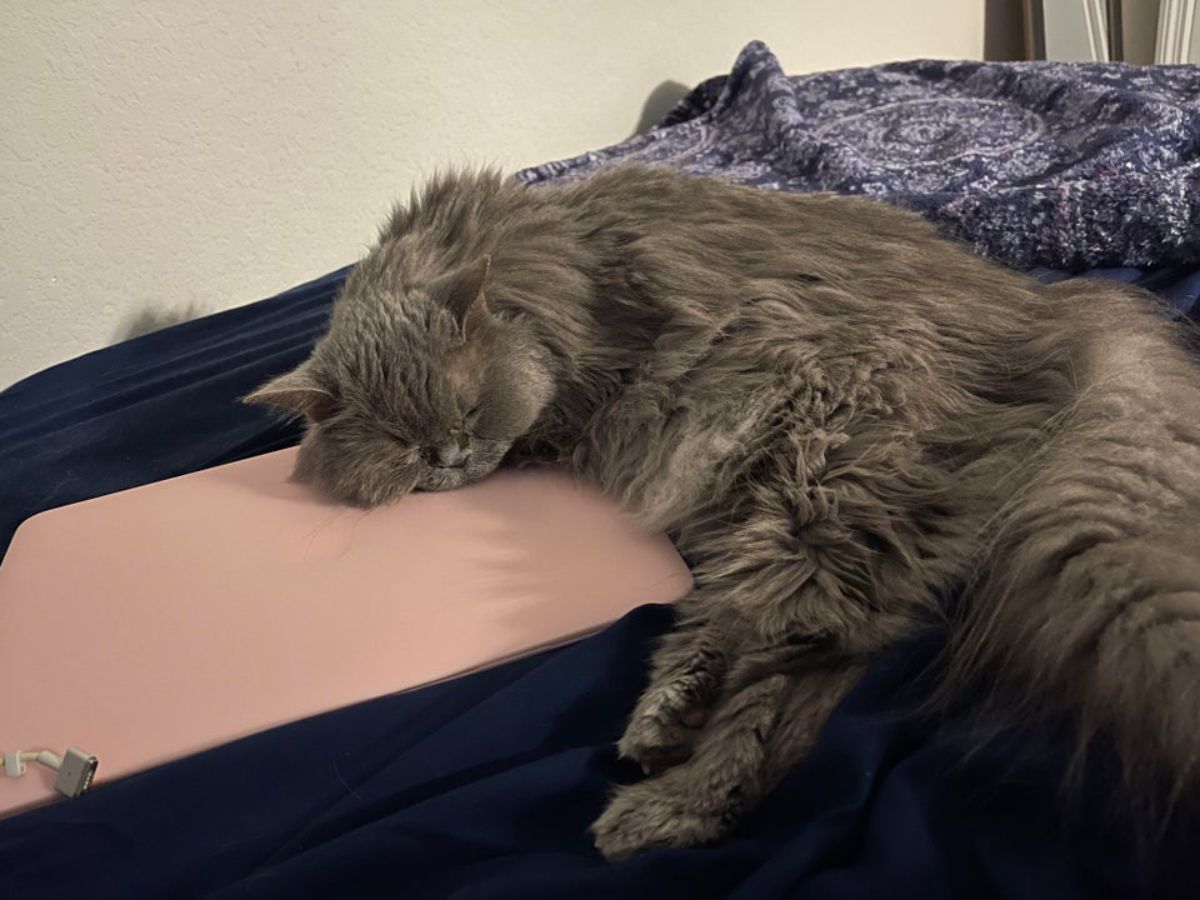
(484, 786)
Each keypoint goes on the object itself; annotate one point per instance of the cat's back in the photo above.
(660, 197)
(734, 229)
(713, 228)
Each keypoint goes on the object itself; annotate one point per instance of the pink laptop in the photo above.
(156, 622)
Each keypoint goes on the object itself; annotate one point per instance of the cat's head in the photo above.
(419, 387)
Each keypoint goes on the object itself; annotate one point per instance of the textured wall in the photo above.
(162, 159)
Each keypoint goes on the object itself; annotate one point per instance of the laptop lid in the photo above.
(156, 622)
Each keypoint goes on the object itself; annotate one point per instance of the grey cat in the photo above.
(835, 414)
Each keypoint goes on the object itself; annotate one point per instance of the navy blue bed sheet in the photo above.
(484, 786)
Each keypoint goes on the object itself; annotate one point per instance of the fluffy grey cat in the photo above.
(835, 414)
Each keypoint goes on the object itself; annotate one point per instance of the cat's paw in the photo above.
(654, 813)
(662, 730)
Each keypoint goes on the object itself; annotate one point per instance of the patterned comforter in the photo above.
(1034, 164)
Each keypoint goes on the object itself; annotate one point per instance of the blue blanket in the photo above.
(1034, 164)
(483, 787)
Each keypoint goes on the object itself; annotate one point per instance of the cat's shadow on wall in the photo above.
(660, 102)
(155, 318)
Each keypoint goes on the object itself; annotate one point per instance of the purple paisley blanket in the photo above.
(1034, 164)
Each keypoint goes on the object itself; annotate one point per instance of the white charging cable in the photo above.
(75, 768)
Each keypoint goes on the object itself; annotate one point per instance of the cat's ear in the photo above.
(461, 291)
(297, 391)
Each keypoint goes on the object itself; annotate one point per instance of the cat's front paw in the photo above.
(662, 730)
(654, 813)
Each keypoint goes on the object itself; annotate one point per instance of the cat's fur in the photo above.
(834, 412)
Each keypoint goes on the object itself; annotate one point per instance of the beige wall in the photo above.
(159, 159)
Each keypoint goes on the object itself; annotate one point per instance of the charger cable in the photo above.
(75, 768)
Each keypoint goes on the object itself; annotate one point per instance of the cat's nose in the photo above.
(452, 456)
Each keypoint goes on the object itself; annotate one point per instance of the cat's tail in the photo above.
(1088, 601)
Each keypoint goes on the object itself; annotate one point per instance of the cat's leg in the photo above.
(812, 582)
(757, 734)
(686, 674)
